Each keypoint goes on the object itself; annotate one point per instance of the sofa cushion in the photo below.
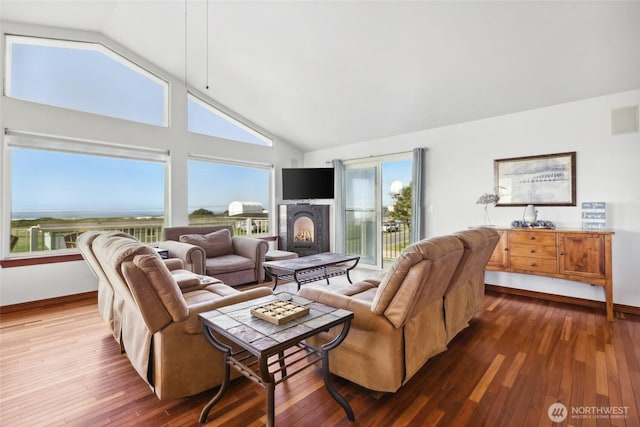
(214, 244)
(174, 233)
(278, 255)
(228, 264)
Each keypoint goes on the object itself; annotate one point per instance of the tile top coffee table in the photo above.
(311, 268)
(269, 353)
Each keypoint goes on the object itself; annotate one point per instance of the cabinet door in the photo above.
(582, 254)
(500, 256)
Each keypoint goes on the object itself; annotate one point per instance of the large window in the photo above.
(208, 120)
(84, 76)
(224, 193)
(61, 188)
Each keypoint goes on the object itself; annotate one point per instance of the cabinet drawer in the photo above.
(542, 265)
(534, 251)
(532, 237)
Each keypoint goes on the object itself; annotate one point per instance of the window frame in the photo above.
(270, 168)
(61, 144)
(94, 46)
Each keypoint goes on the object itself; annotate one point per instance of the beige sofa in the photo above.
(216, 252)
(401, 321)
(157, 316)
(465, 294)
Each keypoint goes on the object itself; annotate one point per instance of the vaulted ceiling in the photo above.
(323, 73)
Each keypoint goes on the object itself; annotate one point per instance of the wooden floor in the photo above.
(60, 366)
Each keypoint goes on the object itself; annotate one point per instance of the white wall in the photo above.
(459, 168)
(21, 284)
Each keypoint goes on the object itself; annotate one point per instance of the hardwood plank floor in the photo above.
(60, 366)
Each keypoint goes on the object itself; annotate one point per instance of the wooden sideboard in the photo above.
(579, 255)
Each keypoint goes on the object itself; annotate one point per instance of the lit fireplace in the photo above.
(304, 229)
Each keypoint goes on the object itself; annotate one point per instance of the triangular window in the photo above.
(208, 120)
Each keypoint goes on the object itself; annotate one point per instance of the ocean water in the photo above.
(114, 213)
(72, 214)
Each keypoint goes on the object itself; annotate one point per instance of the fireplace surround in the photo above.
(304, 228)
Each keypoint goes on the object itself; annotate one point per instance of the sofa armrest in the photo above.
(174, 264)
(363, 317)
(249, 247)
(254, 249)
(192, 256)
(192, 325)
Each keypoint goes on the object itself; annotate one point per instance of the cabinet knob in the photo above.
(533, 251)
(533, 264)
(561, 253)
(532, 237)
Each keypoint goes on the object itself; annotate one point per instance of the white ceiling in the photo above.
(320, 73)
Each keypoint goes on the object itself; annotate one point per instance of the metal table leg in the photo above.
(227, 373)
(351, 268)
(325, 370)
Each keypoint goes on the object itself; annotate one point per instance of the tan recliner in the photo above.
(465, 294)
(398, 322)
(216, 252)
(110, 305)
(160, 329)
(106, 297)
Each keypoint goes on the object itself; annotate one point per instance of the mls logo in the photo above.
(557, 412)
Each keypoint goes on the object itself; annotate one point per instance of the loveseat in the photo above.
(216, 252)
(401, 321)
(157, 316)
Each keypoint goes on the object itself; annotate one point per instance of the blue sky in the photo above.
(76, 78)
(90, 80)
(203, 120)
(232, 183)
(394, 171)
(46, 181)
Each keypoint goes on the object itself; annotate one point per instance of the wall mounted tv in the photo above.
(307, 183)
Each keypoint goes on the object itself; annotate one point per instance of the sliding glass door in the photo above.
(378, 208)
(362, 216)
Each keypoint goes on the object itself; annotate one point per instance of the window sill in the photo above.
(38, 260)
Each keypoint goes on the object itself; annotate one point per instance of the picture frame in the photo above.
(545, 180)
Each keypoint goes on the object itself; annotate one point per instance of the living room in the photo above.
(605, 170)
(460, 155)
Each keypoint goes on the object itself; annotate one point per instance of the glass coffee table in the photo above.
(311, 268)
(269, 353)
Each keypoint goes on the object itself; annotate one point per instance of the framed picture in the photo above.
(547, 180)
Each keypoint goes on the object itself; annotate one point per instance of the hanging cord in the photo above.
(186, 45)
(207, 46)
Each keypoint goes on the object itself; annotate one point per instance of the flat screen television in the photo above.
(307, 183)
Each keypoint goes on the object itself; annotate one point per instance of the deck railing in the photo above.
(63, 235)
(53, 236)
(392, 242)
